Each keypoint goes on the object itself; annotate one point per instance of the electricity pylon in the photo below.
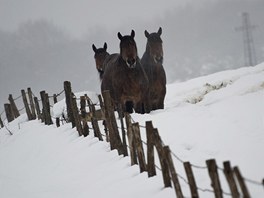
(249, 48)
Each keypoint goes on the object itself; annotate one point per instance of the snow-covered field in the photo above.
(219, 116)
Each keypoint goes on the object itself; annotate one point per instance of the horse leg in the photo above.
(146, 103)
(147, 107)
(128, 106)
(139, 107)
(160, 103)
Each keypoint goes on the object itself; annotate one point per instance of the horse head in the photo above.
(154, 45)
(128, 49)
(100, 55)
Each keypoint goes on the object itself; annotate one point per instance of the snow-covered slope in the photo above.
(218, 116)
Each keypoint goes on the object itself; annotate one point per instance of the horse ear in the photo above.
(105, 46)
(119, 35)
(146, 33)
(160, 31)
(133, 33)
(94, 48)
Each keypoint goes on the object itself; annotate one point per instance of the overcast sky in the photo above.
(78, 16)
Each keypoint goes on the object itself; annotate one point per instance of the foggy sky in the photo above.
(43, 43)
(79, 16)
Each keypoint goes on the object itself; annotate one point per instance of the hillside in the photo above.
(218, 116)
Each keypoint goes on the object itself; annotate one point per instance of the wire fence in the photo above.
(174, 156)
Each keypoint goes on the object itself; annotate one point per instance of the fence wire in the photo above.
(23, 108)
(254, 182)
(172, 153)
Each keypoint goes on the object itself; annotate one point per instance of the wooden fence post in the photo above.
(230, 179)
(37, 107)
(8, 111)
(212, 169)
(32, 105)
(83, 114)
(150, 149)
(1, 123)
(13, 106)
(174, 176)
(131, 142)
(191, 180)
(139, 147)
(103, 114)
(43, 111)
(94, 120)
(163, 161)
(29, 115)
(241, 182)
(46, 108)
(121, 115)
(115, 140)
(55, 100)
(76, 116)
(68, 98)
(49, 120)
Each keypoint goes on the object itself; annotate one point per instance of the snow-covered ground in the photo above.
(219, 116)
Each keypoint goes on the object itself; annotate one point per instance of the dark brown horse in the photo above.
(125, 78)
(152, 61)
(100, 55)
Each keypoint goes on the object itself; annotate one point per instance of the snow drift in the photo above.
(217, 116)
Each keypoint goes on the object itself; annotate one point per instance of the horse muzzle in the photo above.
(131, 63)
(158, 59)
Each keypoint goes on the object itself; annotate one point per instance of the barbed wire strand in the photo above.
(173, 154)
(17, 97)
(2, 113)
(10, 132)
(254, 182)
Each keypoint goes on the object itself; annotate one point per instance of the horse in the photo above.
(125, 77)
(152, 61)
(100, 55)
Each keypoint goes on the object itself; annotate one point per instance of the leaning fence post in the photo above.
(94, 121)
(139, 147)
(76, 116)
(121, 115)
(8, 111)
(13, 106)
(191, 180)
(55, 100)
(115, 140)
(212, 169)
(241, 183)
(163, 161)
(43, 112)
(230, 179)
(1, 122)
(32, 105)
(174, 175)
(46, 108)
(83, 114)
(68, 98)
(150, 150)
(131, 142)
(30, 117)
(103, 114)
(37, 108)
